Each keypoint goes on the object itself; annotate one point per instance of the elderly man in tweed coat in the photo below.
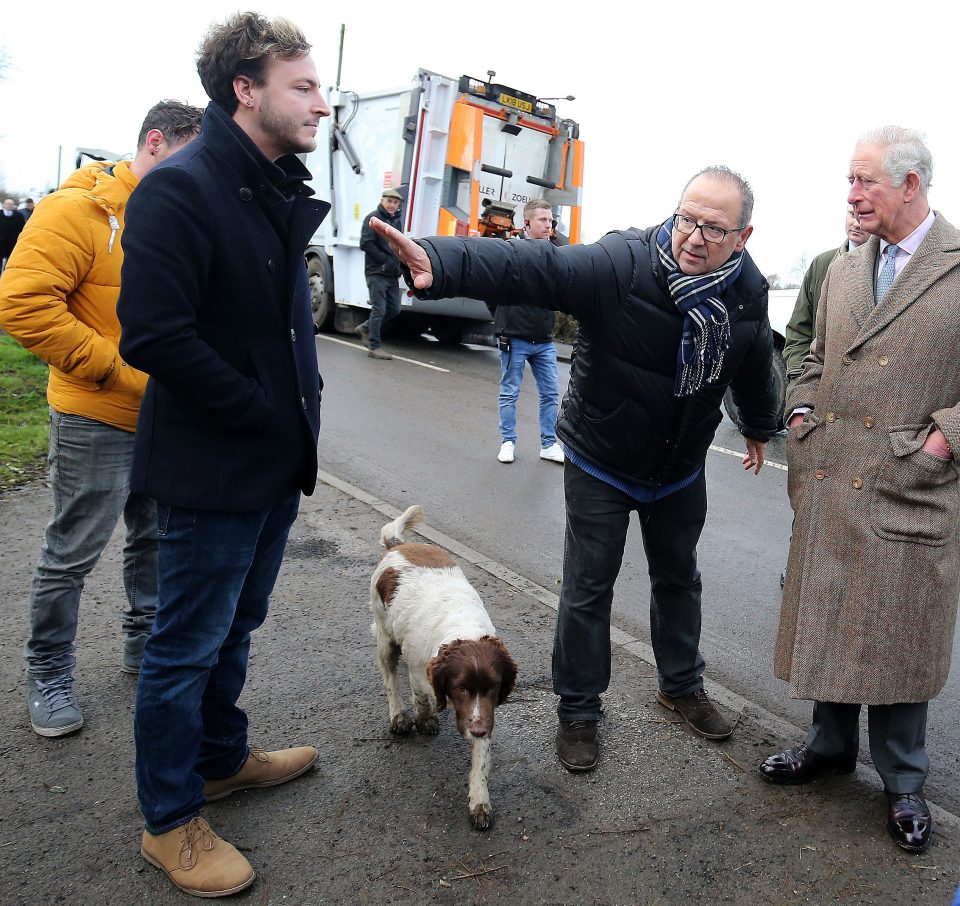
(870, 600)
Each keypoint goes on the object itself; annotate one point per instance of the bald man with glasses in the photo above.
(670, 316)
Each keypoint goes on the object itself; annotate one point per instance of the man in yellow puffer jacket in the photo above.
(58, 299)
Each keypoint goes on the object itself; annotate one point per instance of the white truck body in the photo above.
(451, 148)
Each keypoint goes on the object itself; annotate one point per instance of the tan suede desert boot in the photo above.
(197, 860)
(263, 769)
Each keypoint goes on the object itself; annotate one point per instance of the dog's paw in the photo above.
(402, 724)
(429, 726)
(481, 816)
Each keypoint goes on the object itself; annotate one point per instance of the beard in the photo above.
(285, 130)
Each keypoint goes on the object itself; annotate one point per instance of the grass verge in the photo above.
(24, 417)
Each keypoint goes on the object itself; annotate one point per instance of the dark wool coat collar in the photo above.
(287, 174)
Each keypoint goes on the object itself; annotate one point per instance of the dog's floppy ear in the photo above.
(508, 669)
(439, 672)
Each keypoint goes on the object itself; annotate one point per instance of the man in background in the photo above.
(11, 225)
(800, 328)
(58, 299)
(383, 274)
(525, 336)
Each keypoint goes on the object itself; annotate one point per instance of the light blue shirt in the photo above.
(906, 247)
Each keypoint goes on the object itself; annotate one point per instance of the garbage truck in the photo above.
(465, 154)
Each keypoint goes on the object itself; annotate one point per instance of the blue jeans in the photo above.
(543, 363)
(598, 515)
(90, 480)
(217, 571)
(384, 305)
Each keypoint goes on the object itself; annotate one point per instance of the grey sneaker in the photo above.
(379, 353)
(133, 652)
(53, 706)
(361, 331)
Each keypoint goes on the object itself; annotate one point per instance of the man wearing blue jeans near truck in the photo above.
(524, 335)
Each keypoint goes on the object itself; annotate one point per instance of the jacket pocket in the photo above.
(915, 497)
(799, 451)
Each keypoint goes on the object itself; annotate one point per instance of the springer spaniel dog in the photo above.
(425, 609)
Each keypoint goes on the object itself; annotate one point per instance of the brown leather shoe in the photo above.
(263, 769)
(801, 765)
(699, 713)
(909, 821)
(197, 860)
(577, 745)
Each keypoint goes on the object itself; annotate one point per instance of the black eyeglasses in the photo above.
(688, 226)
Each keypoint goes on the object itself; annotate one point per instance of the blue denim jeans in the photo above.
(384, 305)
(543, 363)
(217, 571)
(598, 516)
(90, 481)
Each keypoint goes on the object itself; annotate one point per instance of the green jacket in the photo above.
(800, 328)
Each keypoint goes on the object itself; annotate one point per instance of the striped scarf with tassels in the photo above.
(706, 324)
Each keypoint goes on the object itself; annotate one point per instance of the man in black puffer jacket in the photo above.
(382, 272)
(669, 318)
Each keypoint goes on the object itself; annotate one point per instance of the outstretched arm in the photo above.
(410, 254)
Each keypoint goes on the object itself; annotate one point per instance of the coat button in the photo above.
(883, 361)
(303, 402)
(868, 422)
(847, 360)
(271, 266)
(246, 194)
(819, 474)
(831, 417)
(858, 483)
(293, 336)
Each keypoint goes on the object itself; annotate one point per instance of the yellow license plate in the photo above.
(510, 101)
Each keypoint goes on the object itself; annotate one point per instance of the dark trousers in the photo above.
(384, 305)
(897, 739)
(598, 516)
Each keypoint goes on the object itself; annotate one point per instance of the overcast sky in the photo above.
(778, 91)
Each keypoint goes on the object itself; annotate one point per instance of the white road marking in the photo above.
(739, 455)
(399, 358)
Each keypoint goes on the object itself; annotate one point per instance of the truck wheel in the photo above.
(320, 277)
(448, 331)
(780, 387)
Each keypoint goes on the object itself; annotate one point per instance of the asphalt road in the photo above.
(423, 429)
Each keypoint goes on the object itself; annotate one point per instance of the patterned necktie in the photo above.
(887, 272)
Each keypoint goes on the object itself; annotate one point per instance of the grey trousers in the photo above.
(897, 739)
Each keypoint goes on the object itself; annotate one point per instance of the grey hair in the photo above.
(725, 174)
(905, 150)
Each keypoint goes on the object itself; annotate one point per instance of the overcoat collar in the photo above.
(938, 254)
(267, 181)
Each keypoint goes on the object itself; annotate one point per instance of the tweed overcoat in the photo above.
(870, 600)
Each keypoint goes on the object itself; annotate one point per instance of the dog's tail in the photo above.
(392, 533)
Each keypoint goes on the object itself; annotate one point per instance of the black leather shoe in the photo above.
(577, 745)
(801, 765)
(909, 821)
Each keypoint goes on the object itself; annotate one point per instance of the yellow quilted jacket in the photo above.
(58, 295)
